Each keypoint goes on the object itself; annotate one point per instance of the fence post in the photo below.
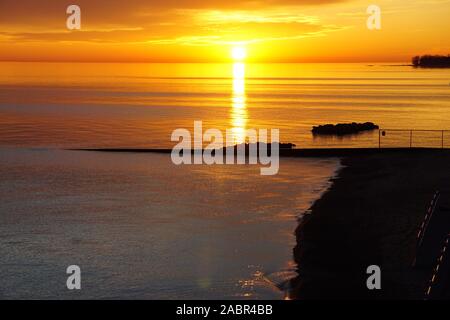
(379, 138)
(410, 139)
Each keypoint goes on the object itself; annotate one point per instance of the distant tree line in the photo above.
(429, 61)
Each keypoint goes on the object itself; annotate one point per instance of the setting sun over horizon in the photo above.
(194, 31)
(199, 151)
(238, 53)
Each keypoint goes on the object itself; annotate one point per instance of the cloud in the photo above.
(185, 26)
(33, 12)
(86, 35)
(232, 33)
(157, 24)
(227, 40)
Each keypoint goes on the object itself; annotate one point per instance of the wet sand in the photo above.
(370, 215)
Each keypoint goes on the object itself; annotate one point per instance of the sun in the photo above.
(239, 53)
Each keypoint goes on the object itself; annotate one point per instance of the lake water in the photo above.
(141, 227)
(139, 105)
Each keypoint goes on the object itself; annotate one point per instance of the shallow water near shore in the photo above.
(140, 227)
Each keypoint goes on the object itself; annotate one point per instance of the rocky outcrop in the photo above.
(344, 128)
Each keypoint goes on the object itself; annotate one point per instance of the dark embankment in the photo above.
(370, 215)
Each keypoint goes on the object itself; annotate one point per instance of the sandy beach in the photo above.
(370, 215)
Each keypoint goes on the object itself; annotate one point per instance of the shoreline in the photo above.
(296, 152)
(369, 216)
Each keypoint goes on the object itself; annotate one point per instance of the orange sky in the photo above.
(204, 31)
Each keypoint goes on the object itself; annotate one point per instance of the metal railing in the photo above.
(426, 220)
(438, 284)
(401, 138)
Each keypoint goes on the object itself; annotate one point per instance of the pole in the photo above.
(442, 139)
(410, 139)
(379, 138)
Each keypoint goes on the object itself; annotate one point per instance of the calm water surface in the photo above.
(140, 227)
(139, 105)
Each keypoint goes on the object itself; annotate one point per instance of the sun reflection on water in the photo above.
(238, 104)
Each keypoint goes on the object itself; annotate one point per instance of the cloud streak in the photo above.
(189, 27)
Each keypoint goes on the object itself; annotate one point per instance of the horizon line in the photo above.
(203, 62)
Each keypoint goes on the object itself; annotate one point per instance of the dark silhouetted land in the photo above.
(370, 215)
(343, 128)
(429, 61)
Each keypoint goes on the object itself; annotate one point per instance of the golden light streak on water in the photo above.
(238, 104)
